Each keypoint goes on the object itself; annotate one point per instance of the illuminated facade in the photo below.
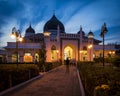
(58, 45)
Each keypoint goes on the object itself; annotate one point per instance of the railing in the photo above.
(62, 35)
(23, 45)
(107, 47)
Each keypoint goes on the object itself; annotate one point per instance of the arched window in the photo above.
(53, 47)
(53, 53)
(36, 57)
(84, 48)
(85, 53)
(14, 57)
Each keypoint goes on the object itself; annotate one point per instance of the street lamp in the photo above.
(102, 34)
(16, 33)
(89, 47)
(112, 53)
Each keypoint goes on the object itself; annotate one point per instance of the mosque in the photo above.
(56, 44)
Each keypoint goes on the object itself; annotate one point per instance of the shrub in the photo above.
(97, 75)
(116, 61)
(48, 66)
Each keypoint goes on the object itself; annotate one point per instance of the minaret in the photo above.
(81, 37)
(58, 33)
(47, 46)
(90, 45)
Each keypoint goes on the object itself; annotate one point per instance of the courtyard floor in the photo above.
(58, 82)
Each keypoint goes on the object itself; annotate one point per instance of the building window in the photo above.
(28, 57)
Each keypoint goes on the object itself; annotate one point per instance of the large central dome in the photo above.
(53, 24)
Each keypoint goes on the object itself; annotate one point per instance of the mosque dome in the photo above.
(53, 24)
(30, 30)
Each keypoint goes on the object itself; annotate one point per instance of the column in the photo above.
(21, 56)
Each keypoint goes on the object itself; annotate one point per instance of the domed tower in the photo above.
(29, 31)
(52, 26)
(90, 34)
(81, 31)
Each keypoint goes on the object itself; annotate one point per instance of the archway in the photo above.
(14, 57)
(68, 53)
(36, 57)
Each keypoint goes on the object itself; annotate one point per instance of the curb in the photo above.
(80, 84)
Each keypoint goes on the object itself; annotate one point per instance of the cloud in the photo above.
(94, 15)
(39, 27)
(7, 31)
(91, 14)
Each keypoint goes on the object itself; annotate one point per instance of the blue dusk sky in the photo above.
(90, 14)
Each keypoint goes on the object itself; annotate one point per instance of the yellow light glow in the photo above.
(12, 35)
(113, 52)
(81, 51)
(27, 54)
(110, 52)
(90, 46)
(90, 36)
(20, 39)
(47, 33)
(57, 51)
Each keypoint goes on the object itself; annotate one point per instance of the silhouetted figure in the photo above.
(67, 65)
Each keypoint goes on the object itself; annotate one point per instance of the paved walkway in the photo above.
(58, 82)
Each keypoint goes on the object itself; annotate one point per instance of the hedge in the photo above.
(11, 74)
(99, 80)
(44, 67)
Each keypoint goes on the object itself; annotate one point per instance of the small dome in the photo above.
(83, 33)
(30, 30)
(52, 24)
(90, 34)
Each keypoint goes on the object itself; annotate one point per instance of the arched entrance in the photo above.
(14, 57)
(68, 53)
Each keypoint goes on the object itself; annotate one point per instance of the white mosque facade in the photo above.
(56, 45)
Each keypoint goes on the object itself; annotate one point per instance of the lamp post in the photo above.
(16, 33)
(102, 34)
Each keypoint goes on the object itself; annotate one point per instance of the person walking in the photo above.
(67, 65)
